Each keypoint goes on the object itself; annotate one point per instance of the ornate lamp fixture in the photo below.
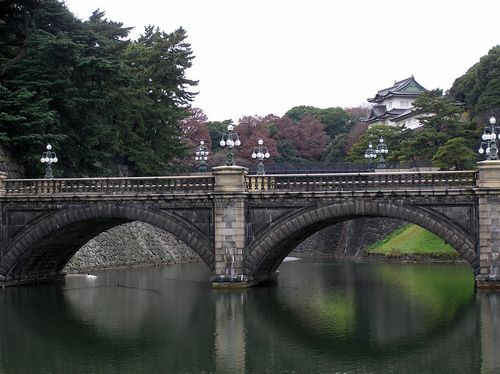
(201, 155)
(230, 140)
(260, 153)
(379, 151)
(48, 158)
(489, 140)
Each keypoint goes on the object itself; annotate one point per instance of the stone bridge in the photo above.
(243, 226)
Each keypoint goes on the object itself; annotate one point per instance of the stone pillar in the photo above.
(3, 176)
(230, 194)
(489, 224)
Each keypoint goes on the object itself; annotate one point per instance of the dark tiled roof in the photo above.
(395, 111)
(405, 114)
(406, 87)
(379, 110)
(380, 113)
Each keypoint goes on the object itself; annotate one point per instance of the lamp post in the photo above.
(48, 158)
(230, 140)
(380, 150)
(489, 140)
(260, 153)
(201, 155)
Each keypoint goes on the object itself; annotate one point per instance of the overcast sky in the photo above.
(265, 56)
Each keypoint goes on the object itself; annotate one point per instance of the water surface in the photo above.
(334, 317)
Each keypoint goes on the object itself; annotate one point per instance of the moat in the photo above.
(319, 317)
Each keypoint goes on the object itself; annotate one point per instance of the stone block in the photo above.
(229, 179)
(486, 221)
(489, 174)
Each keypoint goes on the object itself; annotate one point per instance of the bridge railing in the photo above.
(109, 186)
(361, 181)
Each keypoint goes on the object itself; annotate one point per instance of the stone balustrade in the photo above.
(360, 181)
(109, 186)
(252, 183)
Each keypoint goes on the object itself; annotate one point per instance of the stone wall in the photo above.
(128, 245)
(9, 166)
(348, 238)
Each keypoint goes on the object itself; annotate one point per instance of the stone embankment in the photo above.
(347, 239)
(140, 244)
(129, 245)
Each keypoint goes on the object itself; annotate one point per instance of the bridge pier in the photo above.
(489, 224)
(230, 195)
(229, 224)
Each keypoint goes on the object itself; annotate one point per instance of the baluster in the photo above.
(259, 183)
(272, 185)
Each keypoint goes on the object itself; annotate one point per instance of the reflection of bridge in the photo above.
(241, 226)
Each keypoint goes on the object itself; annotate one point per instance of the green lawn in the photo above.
(412, 240)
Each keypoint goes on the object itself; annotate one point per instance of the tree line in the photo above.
(111, 105)
(303, 134)
(452, 124)
(106, 102)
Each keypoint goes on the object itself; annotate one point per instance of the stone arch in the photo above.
(268, 250)
(42, 249)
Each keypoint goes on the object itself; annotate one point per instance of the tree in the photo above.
(336, 121)
(217, 129)
(252, 128)
(159, 98)
(194, 129)
(335, 150)
(455, 154)
(441, 120)
(479, 87)
(100, 98)
(393, 137)
(16, 21)
(305, 138)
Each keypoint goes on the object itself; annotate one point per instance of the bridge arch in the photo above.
(42, 250)
(269, 249)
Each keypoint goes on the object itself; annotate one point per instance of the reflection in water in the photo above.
(230, 332)
(320, 317)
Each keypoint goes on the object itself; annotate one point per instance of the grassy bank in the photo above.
(412, 241)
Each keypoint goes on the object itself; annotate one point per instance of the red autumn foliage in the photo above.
(194, 129)
(252, 128)
(308, 136)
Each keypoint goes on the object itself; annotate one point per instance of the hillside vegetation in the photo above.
(412, 240)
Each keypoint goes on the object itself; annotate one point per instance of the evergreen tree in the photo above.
(393, 137)
(441, 120)
(479, 87)
(100, 98)
(455, 154)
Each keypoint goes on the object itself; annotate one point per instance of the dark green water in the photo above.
(318, 318)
